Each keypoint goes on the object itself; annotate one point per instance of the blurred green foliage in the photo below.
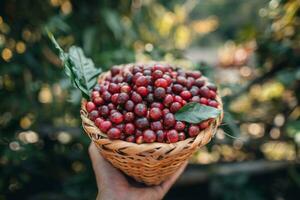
(43, 153)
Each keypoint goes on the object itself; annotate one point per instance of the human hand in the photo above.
(113, 184)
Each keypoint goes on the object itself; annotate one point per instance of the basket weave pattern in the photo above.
(148, 163)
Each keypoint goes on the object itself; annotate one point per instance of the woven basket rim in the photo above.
(84, 117)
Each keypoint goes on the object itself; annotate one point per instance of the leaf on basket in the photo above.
(80, 69)
(196, 113)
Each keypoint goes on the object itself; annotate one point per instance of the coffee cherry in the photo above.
(106, 96)
(172, 136)
(157, 105)
(195, 99)
(213, 103)
(140, 110)
(94, 114)
(179, 126)
(181, 136)
(111, 106)
(103, 111)
(98, 120)
(105, 126)
(116, 117)
(204, 100)
(165, 111)
(186, 95)
(157, 74)
(150, 98)
(98, 101)
(125, 88)
(212, 94)
(169, 120)
(129, 105)
(193, 130)
(161, 135)
(204, 125)
(129, 117)
(136, 98)
(121, 128)
(129, 128)
(194, 91)
(155, 113)
(168, 100)
(196, 74)
(142, 91)
(95, 94)
(212, 87)
(130, 138)
(178, 99)
(199, 82)
(90, 106)
(122, 98)
(142, 123)
(141, 81)
(159, 93)
(113, 88)
(181, 80)
(157, 125)
(138, 132)
(114, 133)
(204, 92)
(115, 70)
(114, 98)
(149, 136)
(177, 88)
(175, 107)
(161, 83)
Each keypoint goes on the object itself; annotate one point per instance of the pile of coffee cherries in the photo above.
(138, 104)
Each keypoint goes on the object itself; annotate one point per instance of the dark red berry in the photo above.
(177, 88)
(193, 130)
(129, 128)
(178, 99)
(113, 88)
(212, 87)
(125, 88)
(213, 103)
(204, 125)
(129, 105)
(204, 100)
(169, 120)
(190, 82)
(90, 106)
(106, 96)
(136, 98)
(194, 90)
(114, 98)
(181, 80)
(168, 79)
(103, 110)
(181, 136)
(98, 101)
(204, 92)
(212, 94)
(95, 94)
(175, 107)
(161, 135)
(94, 114)
(121, 127)
(116, 117)
(130, 138)
(159, 93)
(138, 132)
(129, 116)
(161, 83)
(157, 74)
(114, 133)
(199, 82)
(156, 126)
(195, 99)
(150, 98)
(122, 98)
(149, 136)
(172, 136)
(140, 110)
(157, 105)
(115, 70)
(142, 123)
(196, 74)
(155, 113)
(165, 111)
(168, 100)
(98, 120)
(141, 81)
(179, 126)
(105, 126)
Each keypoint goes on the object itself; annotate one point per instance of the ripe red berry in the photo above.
(98, 101)
(150, 98)
(175, 107)
(204, 100)
(136, 98)
(161, 83)
(114, 98)
(181, 80)
(204, 92)
(157, 74)
(121, 128)
(212, 94)
(90, 106)
(181, 136)
(149, 136)
(138, 132)
(129, 128)
(142, 91)
(204, 125)
(113, 88)
(196, 74)
(122, 98)
(103, 110)
(129, 116)
(94, 114)
(168, 79)
(98, 120)
(155, 113)
(186, 95)
(129, 105)
(157, 125)
(114, 133)
(195, 99)
(157, 105)
(178, 99)
(111, 106)
(159, 93)
(179, 126)
(142, 123)
(161, 135)
(193, 130)
(106, 96)
(169, 120)
(116, 117)
(212, 87)
(168, 100)
(115, 70)
(95, 94)
(140, 110)
(172, 136)
(165, 111)
(125, 88)
(141, 81)
(213, 103)
(199, 82)
(130, 138)
(177, 88)
(194, 90)
(105, 126)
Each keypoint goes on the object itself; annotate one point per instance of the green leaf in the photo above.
(195, 113)
(80, 69)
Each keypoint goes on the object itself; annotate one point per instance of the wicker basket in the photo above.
(148, 163)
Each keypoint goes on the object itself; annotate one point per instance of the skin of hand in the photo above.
(114, 185)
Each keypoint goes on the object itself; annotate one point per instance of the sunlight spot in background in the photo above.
(20, 47)
(245, 71)
(66, 7)
(279, 151)
(64, 137)
(45, 95)
(15, 146)
(28, 137)
(275, 133)
(256, 129)
(6, 54)
(78, 166)
(27, 121)
(279, 120)
(149, 47)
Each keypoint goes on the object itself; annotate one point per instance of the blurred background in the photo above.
(251, 49)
